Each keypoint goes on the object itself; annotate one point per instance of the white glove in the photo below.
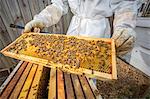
(124, 40)
(34, 24)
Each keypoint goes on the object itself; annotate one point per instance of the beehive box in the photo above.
(94, 57)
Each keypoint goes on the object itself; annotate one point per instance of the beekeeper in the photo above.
(91, 19)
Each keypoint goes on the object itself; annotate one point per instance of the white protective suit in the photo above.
(90, 17)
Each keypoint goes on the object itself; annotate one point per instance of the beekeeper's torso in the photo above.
(89, 18)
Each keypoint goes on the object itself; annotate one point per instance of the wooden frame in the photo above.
(89, 73)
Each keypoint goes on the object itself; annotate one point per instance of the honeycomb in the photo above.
(77, 53)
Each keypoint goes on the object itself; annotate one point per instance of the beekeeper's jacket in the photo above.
(90, 16)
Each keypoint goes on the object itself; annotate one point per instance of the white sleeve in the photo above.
(125, 13)
(52, 13)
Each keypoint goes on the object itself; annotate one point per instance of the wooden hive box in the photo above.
(94, 57)
(33, 81)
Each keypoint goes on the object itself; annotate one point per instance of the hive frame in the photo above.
(82, 71)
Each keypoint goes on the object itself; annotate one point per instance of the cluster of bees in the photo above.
(89, 54)
(18, 46)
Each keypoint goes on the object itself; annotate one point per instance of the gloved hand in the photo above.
(34, 24)
(124, 40)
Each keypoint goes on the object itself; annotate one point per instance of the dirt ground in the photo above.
(131, 83)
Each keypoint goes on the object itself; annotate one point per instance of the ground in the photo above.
(131, 83)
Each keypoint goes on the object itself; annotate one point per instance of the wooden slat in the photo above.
(16, 15)
(35, 84)
(114, 69)
(59, 26)
(66, 21)
(26, 88)
(8, 62)
(87, 90)
(25, 10)
(60, 85)
(77, 87)
(7, 19)
(5, 62)
(13, 82)
(52, 84)
(4, 36)
(34, 6)
(69, 86)
(94, 88)
(3, 58)
(2, 65)
(41, 5)
(15, 93)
